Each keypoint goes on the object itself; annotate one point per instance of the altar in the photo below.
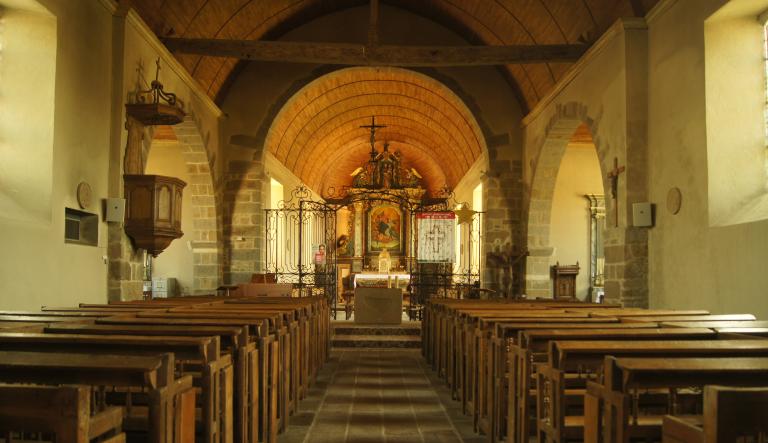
(381, 306)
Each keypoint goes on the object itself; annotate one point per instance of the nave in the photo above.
(379, 395)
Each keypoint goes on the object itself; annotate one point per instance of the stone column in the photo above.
(126, 264)
(243, 220)
(502, 236)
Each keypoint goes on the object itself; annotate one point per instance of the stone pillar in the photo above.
(626, 266)
(243, 220)
(200, 194)
(502, 235)
(125, 277)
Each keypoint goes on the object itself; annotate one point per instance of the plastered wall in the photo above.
(38, 268)
(693, 264)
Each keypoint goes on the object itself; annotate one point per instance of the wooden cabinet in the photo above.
(564, 281)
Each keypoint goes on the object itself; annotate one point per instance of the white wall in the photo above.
(71, 145)
(166, 158)
(579, 175)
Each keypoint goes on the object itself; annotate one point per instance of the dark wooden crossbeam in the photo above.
(384, 55)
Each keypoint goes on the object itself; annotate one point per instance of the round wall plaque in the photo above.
(674, 200)
(84, 195)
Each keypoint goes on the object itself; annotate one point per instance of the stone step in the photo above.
(375, 330)
(350, 328)
(376, 341)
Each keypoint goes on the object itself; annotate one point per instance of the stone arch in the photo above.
(201, 193)
(126, 266)
(545, 167)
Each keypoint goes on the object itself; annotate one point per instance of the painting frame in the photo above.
(384, 229)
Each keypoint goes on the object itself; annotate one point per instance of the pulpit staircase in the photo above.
(347, 334)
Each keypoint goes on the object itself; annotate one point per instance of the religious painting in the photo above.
(385, 229)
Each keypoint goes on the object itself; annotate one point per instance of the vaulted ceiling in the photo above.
(432, 128)
(488, 22)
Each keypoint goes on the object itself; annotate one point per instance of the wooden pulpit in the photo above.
(564, 281)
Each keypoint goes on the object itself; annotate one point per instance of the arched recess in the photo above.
(560, 132)
(200, 194)
(626, 247)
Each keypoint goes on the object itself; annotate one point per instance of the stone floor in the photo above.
(379, 395)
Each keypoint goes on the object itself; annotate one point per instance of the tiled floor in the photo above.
(371, 395)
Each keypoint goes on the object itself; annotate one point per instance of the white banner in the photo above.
(436, 237)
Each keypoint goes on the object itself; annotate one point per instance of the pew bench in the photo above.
(612, 408)
(530, 353)
(199, 357)
(170, 400)
(65, 412)
(730, 415)
(584, 359)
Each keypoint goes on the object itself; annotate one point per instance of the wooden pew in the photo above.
(257, 319)
(268, 356)
(282, 327)
(234, 340)
(716, 324)
(198, 356)
(151, 373)
(584, 359)
(63, 411)
(625, 378)
(730, 415)
(754, 332)
(690, 318)
(530, 353)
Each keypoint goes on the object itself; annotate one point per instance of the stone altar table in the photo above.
(378, 306)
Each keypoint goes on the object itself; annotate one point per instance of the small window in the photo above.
(81, 227)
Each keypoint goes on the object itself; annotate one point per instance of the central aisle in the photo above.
(379, 395)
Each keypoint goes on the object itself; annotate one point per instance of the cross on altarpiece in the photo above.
(613, 176)
(373, 127)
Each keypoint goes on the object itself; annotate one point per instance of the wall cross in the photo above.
(613, 176)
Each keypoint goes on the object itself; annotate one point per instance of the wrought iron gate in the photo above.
(300, 244)
(457, 279)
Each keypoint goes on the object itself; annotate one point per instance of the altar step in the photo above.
(350, 335)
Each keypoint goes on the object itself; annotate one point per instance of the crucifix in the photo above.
(435, 237)
(613, 176)
(373, 127)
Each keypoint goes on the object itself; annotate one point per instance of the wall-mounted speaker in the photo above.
(642, 215)
(115, 210)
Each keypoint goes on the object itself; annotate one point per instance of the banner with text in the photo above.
(435, 243)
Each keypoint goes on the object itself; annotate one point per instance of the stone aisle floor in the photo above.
(373, 395)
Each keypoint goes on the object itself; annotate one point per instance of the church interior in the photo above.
(384, 221)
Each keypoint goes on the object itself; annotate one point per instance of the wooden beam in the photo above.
(373, 24)
(356, 54)
(637, 8)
